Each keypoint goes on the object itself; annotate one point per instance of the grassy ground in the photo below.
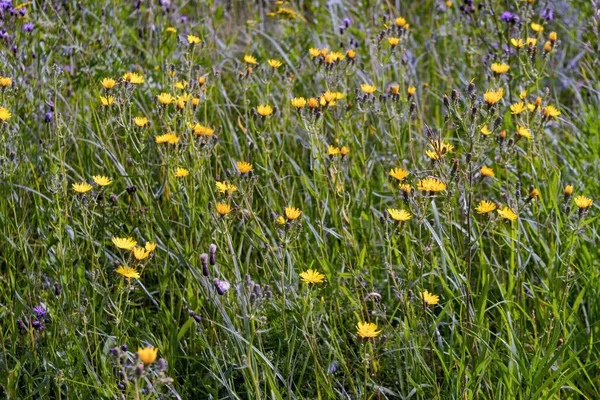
(518, 300)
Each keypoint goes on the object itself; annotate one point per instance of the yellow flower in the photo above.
(368, 89)
(140, 121)
(537, 27)
(411, 90)
(133, 78)
(4, 114)
(324, 51)
(107, 101)
(292, 213)
(401, 22)
(448, 3)
(275, 63)
(508, 213)
(344, 150)
(399, 215)
(405, 187)
(181, 172)
(439, 149)
(350, 53)
(5, 81)
(547, 47)
(193, 39)
(124, 243)
(148, 354)
(312, 102)
(181, 85)
(583, 202)
(518, 43)
(429, 298)
(128, 272)
(314, 52)
(264, 110)
(393, 41)
(203, 130)
(328, 96)
(280, 220)
(150, 246)
(492, 97)
(399, 173)
(499, 68)
(552, 36)
(335, 56)
(108, 83)
(250, 59)
(299, 102)
(244, 167)
(523, 95)
(165, 98)
(485, 131)
(367, 330)
(170, 29)
(226, 187)
(517, 108)
(223, 208)
(551, 111)
(333, 151)
(140, 253)
(486, 171)
(531, 107)
(431, 185)
(312, 276)
(485, 207)
(82, 187)
(524, 132)
(169, 138)
(568, 190)
(101, 180)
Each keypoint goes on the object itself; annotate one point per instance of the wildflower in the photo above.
(170, 29)
(107, 101)
(499, 68)
(82, 187)
(344, 150)
(583, 202)
(244, 167)
(508, 214)
(367, 330)
(312, 276)
(264, 110)
(181, 172)
(524, 132)
(368, 89)
(531, 42)
(108, 83)
(124, 243)
(203, 130)
(333, 151)
(411, 90)
(547, 47)
(226, 187)
(150, 246)
(169, 138)
(485, 207)
(292, 213)
(393, 41)
(531, 107)
(400, 22)
(537, 27)
(553, 36)
(250, 60)
(429, 298)
(439, 149)
(148, 354)
(399, 173)
(5, 81)
(485, 131)
(140, 121)
(517, 108)
(193, 39)
(181, 85)
(534, 193)
(133, 78)
(509, 17)
(221, 286)
(399, 215)
(518, 43)
(568, 190)
(102, 180)
(275, 63)
(314, 52)
(492, 97)
(223, 208)
(486, 171)
(351, 54)
(140, 253)
(328, 97)
(128, 272)
(431, 185)
(4, 114)
(299, 102)
(405, 187)
(312, 102)
(281, 220)
(551, 111)
(165, 98)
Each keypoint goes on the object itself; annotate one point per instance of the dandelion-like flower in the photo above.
(5, 81)
(292, 213)
(411, 91)
(299, 102)
(333, 151)
(193, 39)
(181, 172)
(264, 110)
(124, 243)
(431, 185)
(568, 190)
(108, 83)
(140, 121)
(312, 276)
(393, 41)
(223, 208)
(107, 101)
(147, 355)
(165, 98)
(517, 108)
(102, 180)
(201, 130)
(314, 52)
(499, 68)
(244, 167)
(248, 59)
(133, 78)
(399, 173)
(485, 207)
(368, 89)
(399, 215)
(551, 111)
(492, 97)
(225, 187)
(485, 131)
(82, 187)
(275, 63)
(429, 298)
(128, 272)
(524, 132)
(531, 42)
(537, 27)
(150, 246)
(583, 202)
(487, 171)
(169, 138)
(508, 214)
(438, 149)
(400, 22)
(367, 330)
(140, 253)
(518, 43)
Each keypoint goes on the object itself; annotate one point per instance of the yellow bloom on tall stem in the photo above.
(133, 78)
(107, 101)
(140, 121)
(333, 151)
(312, 276)
(275, 63)
(250, 59)
(4, 114)
(169, 138)
(368, 89)
(492, 97)
(264, 110)
(518, 43)
(124, 243)
(487, 171)
(5, 81)
(223, 208)
(399, 215)
(429, 298)
(537, 27)
(165, 98)
(517, 108)
(200, 130)
(499, 68)
(147, 355)
(244, 167)
(314, 52)
(299, 102)
(108, 83)
(551, 111)
(508, 214)
(524, 132)
(485, 131)
(431, 185)
(102, 180)
(438, 149)
(82, 187)
(485, 207)
(193, 39)
(399, 173)
(150, 246)
(181, 172)
(140, 253)
(128, 272)
(393, 41)
(292, 213)
(367, 330)
(583, 202)
(226, 187)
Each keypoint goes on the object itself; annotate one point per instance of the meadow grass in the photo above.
(302, 186)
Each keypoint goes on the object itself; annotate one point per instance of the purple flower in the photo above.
(347, 22)
(38, 326)
(547, 14)
(48, 118)
(5, 4)
(221, 286)
(39, 311)
(509, 17)
(28, 27)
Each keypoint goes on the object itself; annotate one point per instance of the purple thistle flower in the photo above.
(221, 286)
(509, 17)
(547, 14)
(347, 22)
(28, 27)
(39, 311)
